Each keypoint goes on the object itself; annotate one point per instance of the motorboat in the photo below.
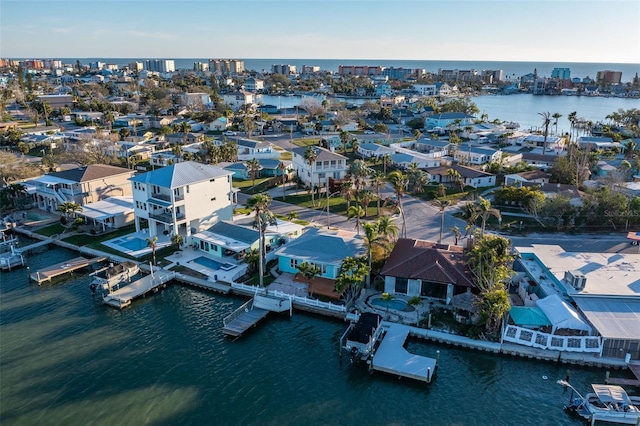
(113, 275)
(607, 403)
(360, 337)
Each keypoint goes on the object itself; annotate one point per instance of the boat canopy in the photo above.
(561, 314)
(611, 394)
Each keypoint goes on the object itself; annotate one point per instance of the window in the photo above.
(401, 285)
(321, 176)
(333, 164)
(187, 189)
(293, 263)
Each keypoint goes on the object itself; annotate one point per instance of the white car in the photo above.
(229, 133)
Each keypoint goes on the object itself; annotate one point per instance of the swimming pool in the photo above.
(395, 304)
(131, 243)
(212, 264)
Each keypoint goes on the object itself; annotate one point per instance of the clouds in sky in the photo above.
(514, 30)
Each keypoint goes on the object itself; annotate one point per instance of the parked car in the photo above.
(230, 133)
(369, 132)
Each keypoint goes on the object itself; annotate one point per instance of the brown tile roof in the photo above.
(91, 172)
(428, 261)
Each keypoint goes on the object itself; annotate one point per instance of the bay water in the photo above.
(66, 359)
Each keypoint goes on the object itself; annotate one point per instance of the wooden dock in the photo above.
(391, 356)
(635, 369)
(242, 319)
(123, 297)
(50, 272)
(31, 248)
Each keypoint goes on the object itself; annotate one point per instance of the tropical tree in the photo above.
(355, 211)
(556, 116)
(177, 240)
(399, 183)
(252, 258)
(442, 205)
(282, 167)
(372, 239)
(386, 159)
(14, 192)
(310, 156)
(152, 243)
(350, 278)
(344, 140)
(355, 144)
(309, 271)
(470, 215)
(69, 210)
(346, 190)
(387, 230)
(456, 233)
(185, 128)
(260, 204)
(573, 118)
(546, 121)
(415, 301)
(377, 180)
(485, 211)
(253, 167)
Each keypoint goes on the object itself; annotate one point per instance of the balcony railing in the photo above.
(166, 218)
(166, 197)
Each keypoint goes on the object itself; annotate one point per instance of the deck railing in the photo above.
(537, 339)
(235, 314)
(303, 300)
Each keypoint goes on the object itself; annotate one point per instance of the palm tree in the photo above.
(69, 209)
(377, 180)
(399, 182)
(152, 243)
(371, 240)
(470, 215)
(346, 190)
(309, 271)
(546, 120)
(485, 210)
(556, 116)
(260, 203)
(253, 167)
(177, 240)
(386, 159)
(456, 233)
(282, 167)
(454, 177)
(14, 191)
(344, 140)
(442, 205)
(355, 144)
(573, 117)
(185, 128)
(310, 156)
(415, 301)
(176, 150)
(387, 229)
(355, 211)
(365, 198)
(109, 118)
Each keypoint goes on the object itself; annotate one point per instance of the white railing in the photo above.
(303, 300)
(537, 339)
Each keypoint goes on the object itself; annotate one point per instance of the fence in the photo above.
(536, 339)
(296, 299)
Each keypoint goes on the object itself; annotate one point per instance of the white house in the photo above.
(252, 84)
(183, 198)
(237, 99)
(447, 118)
(219, 124)
(327, 165)
(476, 155)
(425, 89)
(470, 177)
(249, 149)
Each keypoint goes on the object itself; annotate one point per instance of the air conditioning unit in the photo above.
(576, 279)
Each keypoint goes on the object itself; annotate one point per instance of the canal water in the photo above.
(66, 359)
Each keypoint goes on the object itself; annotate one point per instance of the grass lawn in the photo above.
(245, 185)
(94, 241)
(51, 230)
(255, 280)
(306, 142)
(286, 156)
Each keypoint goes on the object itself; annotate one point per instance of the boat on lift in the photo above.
(607, 403)
(113, 276)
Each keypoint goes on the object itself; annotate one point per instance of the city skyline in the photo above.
(533, 30)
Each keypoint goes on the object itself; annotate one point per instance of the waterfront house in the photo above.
(324, 248)
(595, 143)
(604, 287)
(81, 185)
(471, 177)
(235, 100)
(445, 119)
(426, 269)
(183, 198)
(327, 165)
(110, 213)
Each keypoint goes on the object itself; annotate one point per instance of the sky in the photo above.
(603, 31)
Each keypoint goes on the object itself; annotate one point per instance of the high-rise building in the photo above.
(310, 69)
(226, 66)
(200, 66)
(160, 65)
(561, 73)
(283, 69)
(491, 76)
(359, 70)
(136, 66)
(609, 77)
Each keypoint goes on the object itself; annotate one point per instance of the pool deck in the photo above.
(391, 356)
(163, 241)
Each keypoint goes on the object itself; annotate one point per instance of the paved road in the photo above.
(423, 222)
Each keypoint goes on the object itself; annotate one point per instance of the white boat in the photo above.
(113, 275)
(9, 257)
(607, 403)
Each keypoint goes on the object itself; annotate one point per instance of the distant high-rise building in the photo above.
(32, 64)
(491, 76)
(609, 77)
(160, 65)
(402, 73)
(200, 66)
(283, 69)
(310, 69)
(136, 66)
(458, 75)
(561, 73)
(359, 70)
(52, 63)
(226, 66)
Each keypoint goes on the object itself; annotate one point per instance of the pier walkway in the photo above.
(242, 319)
(123, 297)
(50, 272)
(391, 356)
(30, 247)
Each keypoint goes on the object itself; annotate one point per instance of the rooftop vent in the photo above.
(576, 279)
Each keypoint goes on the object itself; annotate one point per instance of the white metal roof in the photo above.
(109, 207)
(613, 318)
